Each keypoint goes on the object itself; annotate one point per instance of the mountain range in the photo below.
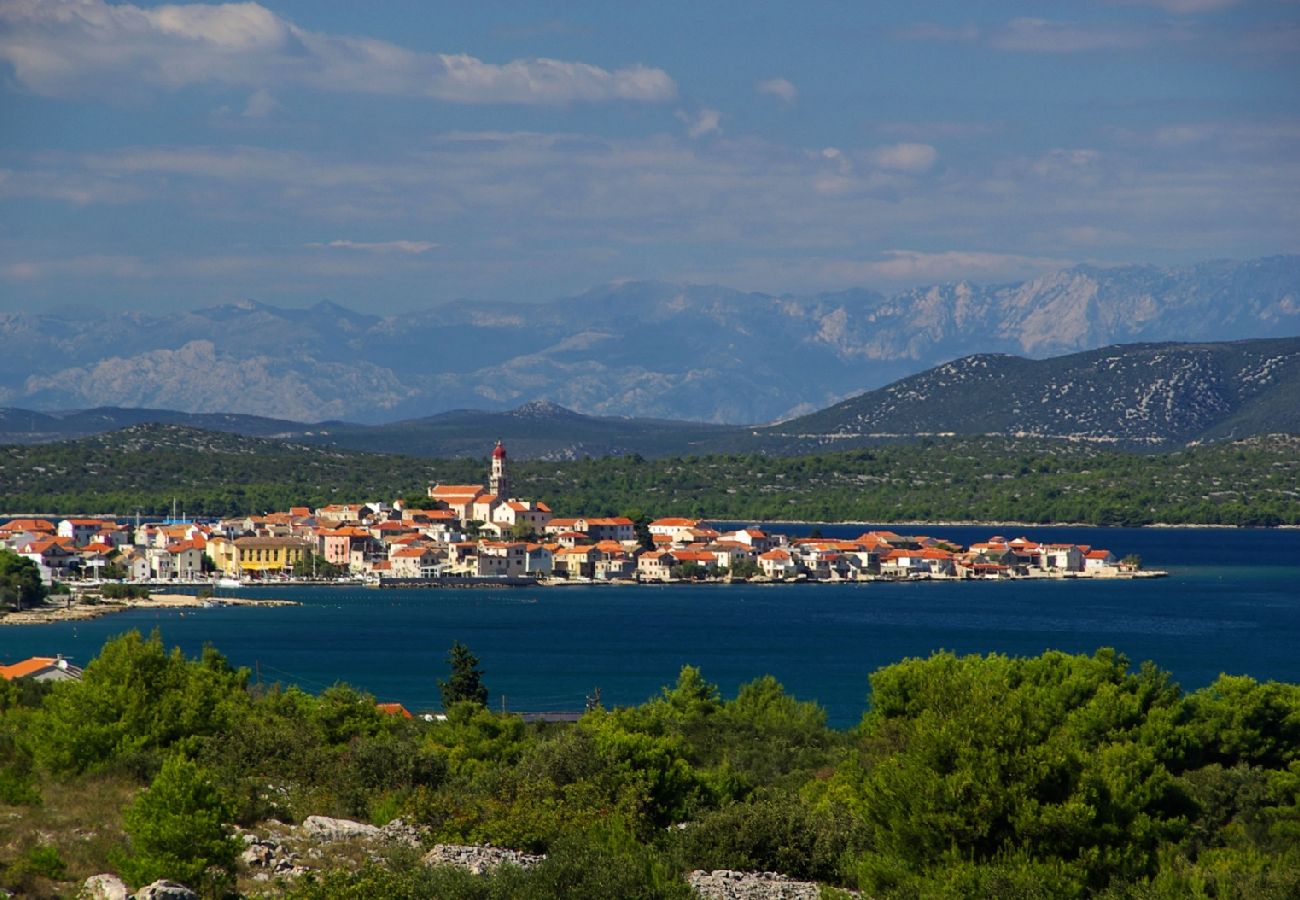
(639, 349)
(1143, 396)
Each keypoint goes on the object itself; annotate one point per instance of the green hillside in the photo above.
(969, 479)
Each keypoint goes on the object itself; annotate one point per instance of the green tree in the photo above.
(177, 829)
(136, 698)
(20, 581)
(313, 565)
(465, 682)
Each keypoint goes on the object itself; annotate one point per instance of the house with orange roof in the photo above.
(728, 553)
(901, 563)
(778, 563)
(53, 558)
(1099, 561)
(28, 526)
(576, 562)
(561, 524)
(502, 559)
(613, 566)
(760, 540)
(185, 559)
(416, 562)
(42, 668)
(394, 709)
(655, 565)
(539, 559)
(700, 557)
(529, 513)
(80, 531)
(612, 528)
(671, 525)
(1063, 558)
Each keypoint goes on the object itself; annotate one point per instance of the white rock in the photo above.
(165, 890)
(104, 887)
(324, 828)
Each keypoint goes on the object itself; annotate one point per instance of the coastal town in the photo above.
(481, 534)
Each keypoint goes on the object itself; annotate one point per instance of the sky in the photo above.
(394, 155)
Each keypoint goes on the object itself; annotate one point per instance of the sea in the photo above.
(1230, 604)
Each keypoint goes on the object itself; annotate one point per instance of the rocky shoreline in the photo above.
(80, 610)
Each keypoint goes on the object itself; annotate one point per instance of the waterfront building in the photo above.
(269, 555)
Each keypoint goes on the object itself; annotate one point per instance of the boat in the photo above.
(229, 583)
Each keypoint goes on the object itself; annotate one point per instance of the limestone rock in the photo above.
(165, 890)
(478, 860)
(104, 887)
(399, 831)
(326, 829)
(726, 884)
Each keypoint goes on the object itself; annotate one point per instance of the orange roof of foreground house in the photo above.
(35, 664)
(394, 709)
(775, 554)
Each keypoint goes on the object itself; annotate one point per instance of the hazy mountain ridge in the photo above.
(1154, 396)
(705, 353)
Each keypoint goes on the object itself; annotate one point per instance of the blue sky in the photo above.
(394, 155)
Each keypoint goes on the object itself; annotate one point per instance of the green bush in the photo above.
(177, 830)
(39, 861)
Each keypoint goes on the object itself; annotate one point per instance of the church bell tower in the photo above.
(499, 484)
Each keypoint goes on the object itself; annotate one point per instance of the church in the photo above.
(491, 505)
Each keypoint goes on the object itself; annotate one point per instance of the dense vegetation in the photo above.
(968, 776)
(1250, 482)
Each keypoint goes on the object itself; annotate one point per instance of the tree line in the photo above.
(1251, 482)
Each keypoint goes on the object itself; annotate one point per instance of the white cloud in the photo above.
(411, 247)
(779, 88)
(1033, 35)
(260, 105)
(706, 121)
(89, 47)
(563, 210)
(1183, 7)
(915, 265)
(937, 33)
(907, 157)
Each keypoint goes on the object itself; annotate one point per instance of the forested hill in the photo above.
(1137, 395)
(1250, 482)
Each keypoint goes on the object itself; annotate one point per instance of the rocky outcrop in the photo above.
(165, 890)
(269, 858)
(104, 887)
(479, 860)
(725, 884)
(327, 830)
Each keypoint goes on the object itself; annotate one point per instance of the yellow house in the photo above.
(259, 555)
(224, 555)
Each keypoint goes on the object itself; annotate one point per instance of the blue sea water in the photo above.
(1231, 604)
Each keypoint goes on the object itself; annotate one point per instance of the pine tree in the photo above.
(466, 681)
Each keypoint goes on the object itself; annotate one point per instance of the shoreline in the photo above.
(963, 523)
(78, 612)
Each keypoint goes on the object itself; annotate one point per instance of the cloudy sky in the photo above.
(392, 155)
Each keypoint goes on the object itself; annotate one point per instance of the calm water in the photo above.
(1232, 604)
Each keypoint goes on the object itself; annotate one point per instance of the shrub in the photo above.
(177, 829)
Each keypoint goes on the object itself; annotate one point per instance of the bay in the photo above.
(1231, 604)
